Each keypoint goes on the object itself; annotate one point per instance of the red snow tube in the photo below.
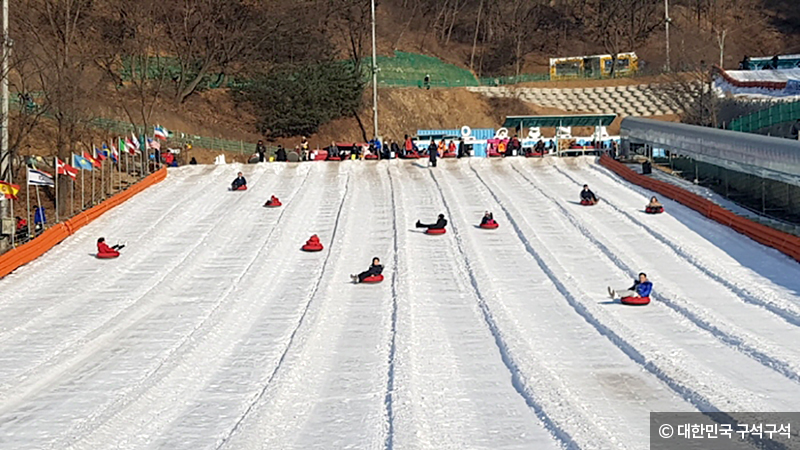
(637, 301)
(313, 244)
(490, 225)
(373, 279)
(449, 155)
(273, 202)
(587, 203)
(436, 231)
(654, 210)
(107, 255)
(412, 155)
(534, 154)
(240, 188)
(334, 158)
(370, 156)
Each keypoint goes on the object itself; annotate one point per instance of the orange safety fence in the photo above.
(784, 242)
(51, 237)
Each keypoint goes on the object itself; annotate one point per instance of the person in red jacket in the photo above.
(103, 248)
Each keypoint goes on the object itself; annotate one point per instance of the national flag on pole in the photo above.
(103, 152)
(91, 160)
(153, 144)
(114, 152)
(39, 178)
(136, 145)
(161, 133)
(81, 162)
(63, 168)
(130, 146)
(9, 190)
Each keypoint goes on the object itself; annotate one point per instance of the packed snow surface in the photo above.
(214, 331)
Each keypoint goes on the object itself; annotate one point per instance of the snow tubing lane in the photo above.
(436, 231)
(657, 210)
(25, 253)
(107, 255)
(490, 226)
(635, 301)
(373, 279)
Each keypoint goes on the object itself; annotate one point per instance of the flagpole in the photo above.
(55, 179)
(83, 190)
(71, 196)
(39, 207)
(28, 196)
(93, 202)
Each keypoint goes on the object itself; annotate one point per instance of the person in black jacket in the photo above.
(238, 182)
(374, 270)
(488, 218)
(441, 223)
(462, 151)
(587, 195)
(261, 150)
(395, 149)
(280, 154)
(433, 153)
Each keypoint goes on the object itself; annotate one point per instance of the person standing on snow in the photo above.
(641, 288)
(261, 150)
(433, 153)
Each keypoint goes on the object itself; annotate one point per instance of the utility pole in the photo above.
(666, 28)
(5, 157)
(374, 75)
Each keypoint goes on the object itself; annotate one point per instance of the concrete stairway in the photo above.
(632, 100)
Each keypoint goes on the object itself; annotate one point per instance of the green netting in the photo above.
(409, 70)
(774, 115)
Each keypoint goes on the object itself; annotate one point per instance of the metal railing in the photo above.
(775, 115)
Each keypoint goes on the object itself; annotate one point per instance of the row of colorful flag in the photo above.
(87, 161)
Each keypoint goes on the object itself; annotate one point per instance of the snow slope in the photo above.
(213, 331)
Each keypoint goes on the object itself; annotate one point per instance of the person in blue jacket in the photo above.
(238, 182)
(641, 288)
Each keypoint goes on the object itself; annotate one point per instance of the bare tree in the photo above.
(58, 35)
(208, 35)
(621, 25)
(692, 95)
(131, 60)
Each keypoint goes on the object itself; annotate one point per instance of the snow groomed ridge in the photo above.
(214, 331)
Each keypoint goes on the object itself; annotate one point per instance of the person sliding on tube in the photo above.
(272, 200)
(440, 224)
(103, 248)
(374, 270)
(488, 218)
(641, 288)
(587, 196)
(238, 182)
(654, 204)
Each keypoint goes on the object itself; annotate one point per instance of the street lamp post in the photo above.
(374, 76)
(666, 28)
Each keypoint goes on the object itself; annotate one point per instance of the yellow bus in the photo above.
(595, 66)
